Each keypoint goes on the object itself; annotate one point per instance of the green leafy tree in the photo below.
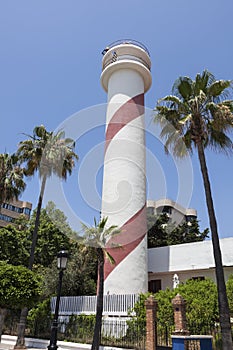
(81, 273)
(19, 287)
(97, 237)
(229, 286)
(157, 230)
(11, 178)
(137, 324)
(14, 245)
(39, 319)
(79, 279)
(201, 307)
(202, 304)
(58, 218)
(163, 232)
(50, 154)
(199, 115)
(15, 241)
(50, 239)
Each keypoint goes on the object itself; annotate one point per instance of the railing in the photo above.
(116, 58)
(113, 304)
(127, 41)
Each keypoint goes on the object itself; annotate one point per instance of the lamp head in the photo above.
(62, 257)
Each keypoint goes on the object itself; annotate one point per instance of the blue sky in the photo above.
(50, 66)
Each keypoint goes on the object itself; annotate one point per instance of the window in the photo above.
(154, 286)
(190, 218)
(12, 207)
(6, 218)
(150, 210)
(27, 211)
(198, 278)
(167, 209)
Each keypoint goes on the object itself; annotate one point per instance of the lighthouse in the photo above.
(125, 77)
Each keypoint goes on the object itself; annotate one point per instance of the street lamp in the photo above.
(61, 265)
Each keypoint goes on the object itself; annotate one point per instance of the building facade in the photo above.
(12, 210)
(175, 211)
(178, 263)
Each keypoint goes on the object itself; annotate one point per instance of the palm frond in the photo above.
(109, 257)
(183, 87)
(175, 143)
(203, 81)
(170, 98)
(228, 103)
(219, 141)
(185, 119)
(218, 88)
(99, 234)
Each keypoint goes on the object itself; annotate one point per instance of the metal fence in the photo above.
(124, 332)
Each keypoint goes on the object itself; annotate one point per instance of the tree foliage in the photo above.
(15, 241)
(80, 275)
(97, 237)
(198, 115)
(201, 306)
(59, 219)
(162, 232)
(50, 154)
(229, 286)
(11, 178)
(50, 239)
(14, 245)
(18, 286)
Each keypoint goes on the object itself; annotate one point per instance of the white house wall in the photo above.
(188, 261)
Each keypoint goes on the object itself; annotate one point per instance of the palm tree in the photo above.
(199, 115)
(48, 153)
(11, 178)
(11, 186)
(97, 236)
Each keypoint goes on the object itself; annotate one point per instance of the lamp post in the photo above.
(61, 265)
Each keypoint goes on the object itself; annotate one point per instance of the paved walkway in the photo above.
(8, 342)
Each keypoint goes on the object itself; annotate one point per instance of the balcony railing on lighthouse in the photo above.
(128, 41)
(123, 50)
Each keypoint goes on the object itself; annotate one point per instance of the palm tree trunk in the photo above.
(37, 222)
(224, 313)
(100, 301)
(3, 313)
(20, 342)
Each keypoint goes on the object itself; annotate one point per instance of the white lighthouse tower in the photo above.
(125, 77)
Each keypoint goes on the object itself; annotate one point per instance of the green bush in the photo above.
(201, 308)
(39, 320)
(80, 328)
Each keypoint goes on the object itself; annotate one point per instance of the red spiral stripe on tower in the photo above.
(129, 111)
(134, 229)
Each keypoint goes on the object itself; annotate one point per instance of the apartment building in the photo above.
(12, 210)
(175, 211)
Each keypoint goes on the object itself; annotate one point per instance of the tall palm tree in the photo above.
(11, 186)
(48, 153)
(198, 115)
(97, 236)
(11, 178)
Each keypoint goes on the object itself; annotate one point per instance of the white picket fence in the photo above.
(114, 305)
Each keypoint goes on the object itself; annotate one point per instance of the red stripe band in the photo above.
(127, 112)
(132, 233)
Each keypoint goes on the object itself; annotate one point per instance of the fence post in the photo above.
(179, 308)
(151, 323)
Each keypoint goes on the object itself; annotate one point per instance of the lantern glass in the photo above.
(62, 257)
